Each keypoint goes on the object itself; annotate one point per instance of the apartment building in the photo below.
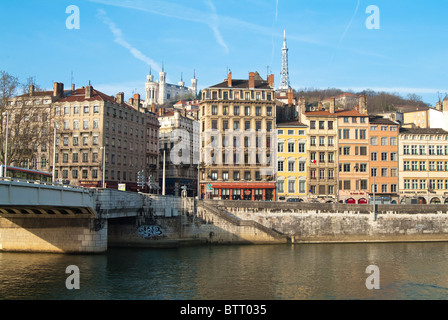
(384, 160)
(291, 161)
(322, 148)
(238, 118)
(353, 156)
(423, 165)
(179, 152)
(30, 135)
(100, 138)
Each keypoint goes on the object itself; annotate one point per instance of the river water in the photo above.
(263, 272)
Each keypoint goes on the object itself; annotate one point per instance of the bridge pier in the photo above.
(54, 235)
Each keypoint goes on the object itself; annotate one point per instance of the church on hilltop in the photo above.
(158, 92)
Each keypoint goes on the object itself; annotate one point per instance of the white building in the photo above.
(159, 92)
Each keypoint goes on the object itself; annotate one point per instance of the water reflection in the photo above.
(279, 272)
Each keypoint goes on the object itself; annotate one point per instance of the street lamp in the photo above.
(6, 147)
(104, 164)
(54, 154)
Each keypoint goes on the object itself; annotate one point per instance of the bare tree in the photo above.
(29, 121)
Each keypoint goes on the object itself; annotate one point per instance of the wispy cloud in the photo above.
(214, 21)
(119, 39)
(350, 22)
(175, 11)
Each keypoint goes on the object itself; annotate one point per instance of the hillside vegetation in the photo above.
(376, 101)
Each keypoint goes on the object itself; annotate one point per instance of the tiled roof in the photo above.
(349, 113)
(289, 123)
(319, 113)
(80, 95)
(423, 131)
(37, 94)
(381, 120)
(243, 84)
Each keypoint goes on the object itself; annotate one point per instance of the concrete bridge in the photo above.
(44, 217)
(39, 217)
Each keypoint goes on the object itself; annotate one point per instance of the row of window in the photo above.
(291, 132)
(362, 184)
(423, 184)
(237, 110)
(291, 185)
(75, 174)
(75, 140)
(75, 110)
(93, 174)
(321, 124)
(291, 147)
(67, 110)
(237, 95)
(236, 125)
(359, 134)
(421, 150)
(291, 166)
(422, 165)
(225, 175)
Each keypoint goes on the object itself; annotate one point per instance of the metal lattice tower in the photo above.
(284, 80)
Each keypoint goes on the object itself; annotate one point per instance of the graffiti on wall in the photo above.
(146, 231)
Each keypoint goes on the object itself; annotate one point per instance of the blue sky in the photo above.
(329, 43)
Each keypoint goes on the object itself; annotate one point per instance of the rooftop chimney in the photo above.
(137, 100)
(120, 97)
(229, 79)
(73, 87)
(251, 80)
(332, 104)
(31, 90)
(290, 96)
(89, 91)
(271, 80)
(363, 104)
(58, 90)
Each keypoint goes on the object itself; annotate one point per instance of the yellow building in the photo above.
(291, 161)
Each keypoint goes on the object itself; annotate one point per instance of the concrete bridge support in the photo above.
(55, 234)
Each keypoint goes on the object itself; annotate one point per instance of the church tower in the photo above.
(284, 79)
(194, 84)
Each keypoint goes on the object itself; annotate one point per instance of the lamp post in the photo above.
(6, 144)
(54, 155)
(104, 165)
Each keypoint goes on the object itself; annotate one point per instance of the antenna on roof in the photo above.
(71, 78)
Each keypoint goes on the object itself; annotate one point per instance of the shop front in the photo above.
(250, 191)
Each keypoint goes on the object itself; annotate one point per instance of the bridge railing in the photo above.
(54, 184)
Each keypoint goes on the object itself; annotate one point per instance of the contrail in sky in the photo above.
(214, 26)
(118, 35)
(351, 21)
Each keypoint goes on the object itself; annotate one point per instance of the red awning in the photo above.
(362, 201)
(351, 201)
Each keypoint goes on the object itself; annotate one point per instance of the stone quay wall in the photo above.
(55, 235)
(308, 222)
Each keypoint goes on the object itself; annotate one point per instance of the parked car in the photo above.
(293, 200)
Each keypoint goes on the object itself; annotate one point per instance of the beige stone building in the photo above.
(238, 148)
(102, 138)
(179, 140)
(423, 165)
(30, 135)
(322, 148)
(353, 155)
(91, 129)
